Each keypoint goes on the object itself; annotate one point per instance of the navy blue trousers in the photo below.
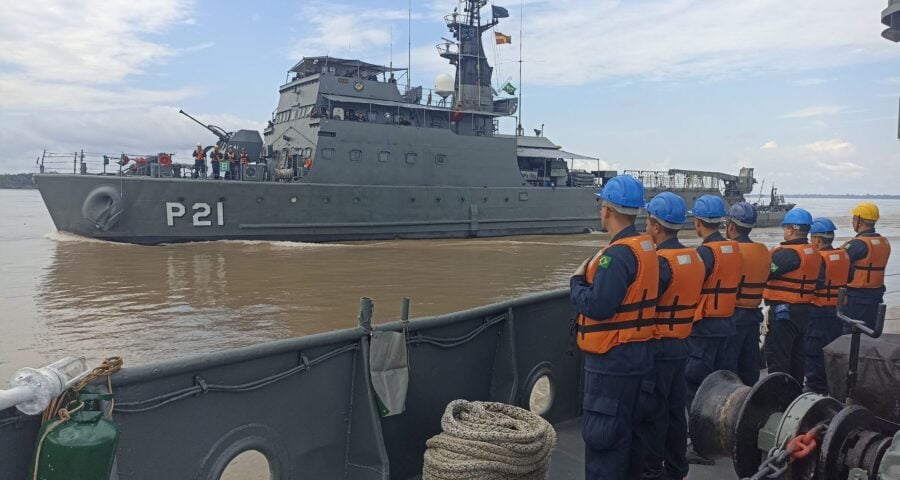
(822, 329)
(708, 354)
(743, 352)
(611, 426)
(664, 425)
(862, 307)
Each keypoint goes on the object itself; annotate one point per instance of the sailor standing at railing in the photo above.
(199, 162)
(215, 157)
(614, 293)
(230, 163)
(869, 252)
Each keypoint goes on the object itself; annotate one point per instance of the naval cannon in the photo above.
(249, 140)
(773, 430)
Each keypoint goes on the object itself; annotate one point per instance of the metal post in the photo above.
(366, 308)
(404, 309)
(75, 163)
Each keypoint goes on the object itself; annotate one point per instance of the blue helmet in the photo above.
(709, 208)
(822, 226)
(624, 191)
(743, 214)
(668, 209)
(797, 216)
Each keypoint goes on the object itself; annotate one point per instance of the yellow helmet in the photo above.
(866, 211)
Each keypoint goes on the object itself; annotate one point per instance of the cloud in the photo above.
(810, 82)
(833, 146)
(345, 30)
(770, 145)
(815, 111)
(842, 168)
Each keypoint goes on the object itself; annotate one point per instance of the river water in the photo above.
(65, 295)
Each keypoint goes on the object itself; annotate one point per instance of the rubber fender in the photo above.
(102, 207)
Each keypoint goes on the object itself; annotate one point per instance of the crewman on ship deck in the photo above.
(869, 252)
(664, 391)
(215, 156)
(789, 293)
(614, 293)
(743, 346)
(824, 325)
(713, 324)
(199, 162)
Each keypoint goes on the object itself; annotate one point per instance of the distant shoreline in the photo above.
(845, 195)
(16, 181)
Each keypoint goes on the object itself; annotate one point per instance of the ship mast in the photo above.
(473, 73)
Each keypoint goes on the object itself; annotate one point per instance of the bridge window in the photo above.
(411, 158)
(384, 156)
(355, 155)
(327, 154)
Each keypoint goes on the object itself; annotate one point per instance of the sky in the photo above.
(806, 92)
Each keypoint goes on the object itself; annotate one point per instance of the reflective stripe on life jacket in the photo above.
(868, 272)
(634, 319)
(798, 285)
(199, 155)
(837, 268)
(719, 294)
(676, 306)
(756, 260)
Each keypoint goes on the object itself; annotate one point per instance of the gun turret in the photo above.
(224, 136)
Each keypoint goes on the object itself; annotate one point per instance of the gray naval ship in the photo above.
(349, 156)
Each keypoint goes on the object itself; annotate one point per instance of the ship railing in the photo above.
(96, 163)
(309, 404)
(428, 97)
(661, 179)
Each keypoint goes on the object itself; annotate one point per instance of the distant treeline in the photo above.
(843, 195)
(16, 180)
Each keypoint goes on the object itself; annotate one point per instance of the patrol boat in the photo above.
(349, 156)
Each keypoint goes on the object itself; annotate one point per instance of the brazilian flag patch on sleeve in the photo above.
(604, 261)
(773, 268)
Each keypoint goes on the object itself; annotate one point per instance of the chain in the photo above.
(779, 459)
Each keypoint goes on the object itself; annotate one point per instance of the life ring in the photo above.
(165, 159)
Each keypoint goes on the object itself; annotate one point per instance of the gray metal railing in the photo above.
(307, 405)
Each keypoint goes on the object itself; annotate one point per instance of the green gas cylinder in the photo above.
(83, 447)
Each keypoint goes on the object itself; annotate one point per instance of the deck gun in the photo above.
(249, 140)
(223, 136)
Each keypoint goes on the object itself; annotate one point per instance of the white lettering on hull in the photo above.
(200, 218)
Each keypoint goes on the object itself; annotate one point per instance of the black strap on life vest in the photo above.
(628, 307)
(670, 319)
(750, 296)
(715, 291)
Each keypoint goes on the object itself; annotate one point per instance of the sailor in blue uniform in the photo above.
(869, 252)
(614, 293)
(824, 325)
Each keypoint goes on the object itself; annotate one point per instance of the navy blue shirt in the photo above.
(600, 301)
(857, 249)
(668, 348)
(712, 327)
(746, 316)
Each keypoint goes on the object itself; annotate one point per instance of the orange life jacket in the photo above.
(756, 260)
(868, 272)
(245, 159)
(308, 163)
(719, 295)
(837, 268)
(799, 285)
(229, 157)
(676, 306)
(634, 319)
(199, 155)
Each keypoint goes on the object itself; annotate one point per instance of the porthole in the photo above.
(506, 199)
(355, 155)
(293, 199)
(484, 199)
(411, 158)
(384, 156)
(440, 159)
(540, 398)
(462, 199)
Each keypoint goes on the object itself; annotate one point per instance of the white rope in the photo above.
(489, 441)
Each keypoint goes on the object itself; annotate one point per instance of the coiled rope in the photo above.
(489, 441)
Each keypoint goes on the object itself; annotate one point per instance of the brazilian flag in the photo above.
(509, 88)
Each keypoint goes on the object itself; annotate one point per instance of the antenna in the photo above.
(521, 41)
(408, 43)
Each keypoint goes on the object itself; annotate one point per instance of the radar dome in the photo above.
(443, 85)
